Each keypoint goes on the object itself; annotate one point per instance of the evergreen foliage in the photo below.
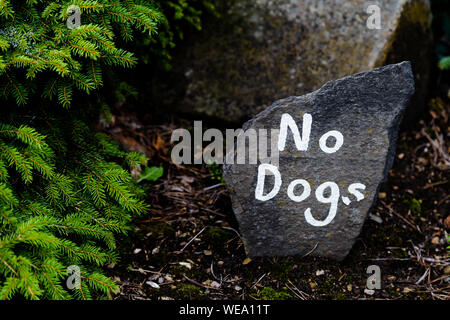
(58, 209)
(63, 194)
(178, 16)
(35, 42)
(66, 192)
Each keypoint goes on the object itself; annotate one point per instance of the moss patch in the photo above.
(281, 270)
(268, 293)
(217, 236)
(189, 292)
(415, 206)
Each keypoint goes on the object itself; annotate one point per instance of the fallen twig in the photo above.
(190, 241)
(259, 280)
(310, 252)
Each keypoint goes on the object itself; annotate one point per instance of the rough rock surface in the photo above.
(264, 50)
(367, 109)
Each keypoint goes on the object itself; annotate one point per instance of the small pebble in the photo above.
(407, 290)
(168, 277)
(153, 284)
(392, 278)
(447, 223)
(185, 264)
(382, 195)
(369, 292)
(207, 283)
(349, 288)
(447, 270)
(435, 240)
(375, 218)
(320, 272)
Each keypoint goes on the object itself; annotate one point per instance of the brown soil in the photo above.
(188, 246)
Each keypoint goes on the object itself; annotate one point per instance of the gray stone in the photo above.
(367, 109)
(263, 50)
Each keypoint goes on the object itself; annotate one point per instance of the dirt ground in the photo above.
(189, 247)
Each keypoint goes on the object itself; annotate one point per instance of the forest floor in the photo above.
(189, 247)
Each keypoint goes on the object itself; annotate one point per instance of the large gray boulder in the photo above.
(366, 110)
(263, 50)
